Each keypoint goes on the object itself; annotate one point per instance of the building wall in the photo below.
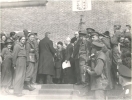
(59, 19)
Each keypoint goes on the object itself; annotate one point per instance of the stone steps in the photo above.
(62, 92)
(56, 92)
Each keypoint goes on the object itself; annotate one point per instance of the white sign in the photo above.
(81, 5)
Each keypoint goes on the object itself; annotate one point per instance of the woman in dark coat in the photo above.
(6, 78)
(58, 62)
(19, 64)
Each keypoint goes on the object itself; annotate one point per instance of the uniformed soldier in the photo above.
(80, 55)
(99, 81)
(83, 56)
(116, 57)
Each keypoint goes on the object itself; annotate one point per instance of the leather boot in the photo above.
(28, 86)
(49, 79)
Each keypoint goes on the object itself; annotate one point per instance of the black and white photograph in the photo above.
(65, 49)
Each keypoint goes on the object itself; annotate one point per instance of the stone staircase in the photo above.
(60, 92)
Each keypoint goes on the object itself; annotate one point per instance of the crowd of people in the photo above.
(99, 60)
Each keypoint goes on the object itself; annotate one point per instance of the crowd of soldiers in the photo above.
(99, 60)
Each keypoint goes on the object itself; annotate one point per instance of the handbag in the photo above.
(66, 64)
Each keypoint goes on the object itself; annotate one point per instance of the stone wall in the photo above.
(59, 19)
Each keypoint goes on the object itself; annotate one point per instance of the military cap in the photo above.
(30, 34)
(117, 26)
(101, 35)
(82, 33)
(106, 33)
(35, 33)
(94, 33)
(128, 26)
(124, 71)
(97, 44)
(89, 30)
(12, 34)
(8, 41)
(60, 43)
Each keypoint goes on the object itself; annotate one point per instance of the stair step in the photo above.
(47, 92)
(27, 92)
(54, 86)
(52, 97)
(56, 92)
(36, 97)
(62, 92)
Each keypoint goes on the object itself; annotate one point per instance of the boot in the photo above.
(28, 86)
(49, 79)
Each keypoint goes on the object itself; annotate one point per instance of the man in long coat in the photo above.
(46, 61)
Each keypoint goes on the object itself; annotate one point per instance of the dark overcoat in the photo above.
(46, 58)
(68, 72)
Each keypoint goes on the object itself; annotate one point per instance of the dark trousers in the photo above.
(35, 72)
(67, 75)
(77, 69)
(30, 71)
(43, 78)
(114, 73)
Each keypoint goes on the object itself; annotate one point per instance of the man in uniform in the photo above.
(127, 31)
(116, 57)
(94, 37)
(36, 43)
(98, 72)
(82, 56)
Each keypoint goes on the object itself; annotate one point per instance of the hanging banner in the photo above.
(81, 5)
